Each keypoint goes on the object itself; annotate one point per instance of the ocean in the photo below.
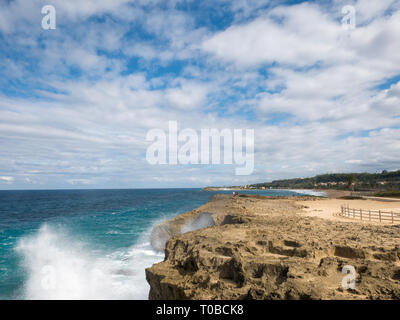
(86, 244)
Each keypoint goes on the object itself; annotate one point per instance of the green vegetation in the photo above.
(351, 181)
(351, 198)
(384, 181)
(389, 194)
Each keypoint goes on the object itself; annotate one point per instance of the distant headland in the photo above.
(385, 183)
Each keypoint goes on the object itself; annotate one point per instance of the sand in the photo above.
(330, 208)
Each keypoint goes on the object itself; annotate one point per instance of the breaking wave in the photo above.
(59, 266)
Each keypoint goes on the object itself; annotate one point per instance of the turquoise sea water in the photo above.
(85, 244)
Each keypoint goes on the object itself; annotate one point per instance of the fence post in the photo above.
(369, 215)
(361, 214)
(392, 218)
(380, 216)
(354, 213)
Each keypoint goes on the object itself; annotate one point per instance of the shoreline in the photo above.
(258, 247)
(328, 192)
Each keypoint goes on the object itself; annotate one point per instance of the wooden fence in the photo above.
(362, 193)
(371, 215)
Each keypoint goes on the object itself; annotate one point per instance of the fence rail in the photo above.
(371, 215)
(362, 193)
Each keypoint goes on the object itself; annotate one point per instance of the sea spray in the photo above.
(162, 232)
(61, 267)
(203, 220)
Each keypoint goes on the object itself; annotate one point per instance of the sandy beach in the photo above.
(330, 208)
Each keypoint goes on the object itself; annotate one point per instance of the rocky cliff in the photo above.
(263, 248)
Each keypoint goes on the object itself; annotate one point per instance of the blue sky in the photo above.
(76, 102)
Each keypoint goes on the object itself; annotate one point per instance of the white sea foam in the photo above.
(61, 267)
(310, 192)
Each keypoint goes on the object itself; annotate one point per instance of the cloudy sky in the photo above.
(76, 102)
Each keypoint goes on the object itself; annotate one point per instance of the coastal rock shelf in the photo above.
(264, 248)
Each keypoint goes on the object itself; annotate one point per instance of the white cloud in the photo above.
(90, 130)
(6, 179)
(190, 96)
(79, 181)
(298, 35)
(15, 15)
(368, 10)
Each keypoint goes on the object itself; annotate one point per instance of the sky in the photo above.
(77, 102)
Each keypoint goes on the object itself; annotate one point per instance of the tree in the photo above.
(351, 181)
